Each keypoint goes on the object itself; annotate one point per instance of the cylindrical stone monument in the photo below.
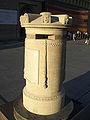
(44, 68)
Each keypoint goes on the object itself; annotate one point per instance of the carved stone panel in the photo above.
(32, 65)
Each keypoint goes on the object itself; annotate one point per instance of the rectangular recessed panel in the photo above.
(31, 65)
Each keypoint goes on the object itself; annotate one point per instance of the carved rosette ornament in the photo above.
(46, 17)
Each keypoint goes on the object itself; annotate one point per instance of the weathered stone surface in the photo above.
(20, 113)
(44, 68)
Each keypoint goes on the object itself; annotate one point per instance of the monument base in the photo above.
(20, 113)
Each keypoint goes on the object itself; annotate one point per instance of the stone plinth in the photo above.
(21, 113)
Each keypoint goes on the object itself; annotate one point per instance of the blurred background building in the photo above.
(11, 10)
(78, 9)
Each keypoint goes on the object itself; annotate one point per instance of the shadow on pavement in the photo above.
(10, 45)
(78, 87)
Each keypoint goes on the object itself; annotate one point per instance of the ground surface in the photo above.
(77, 81)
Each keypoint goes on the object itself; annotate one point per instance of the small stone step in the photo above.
(84, 114)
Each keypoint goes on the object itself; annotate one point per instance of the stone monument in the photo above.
(44, 67)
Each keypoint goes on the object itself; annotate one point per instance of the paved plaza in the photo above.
(77, 80)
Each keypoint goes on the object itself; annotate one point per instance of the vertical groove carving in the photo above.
(46, 78)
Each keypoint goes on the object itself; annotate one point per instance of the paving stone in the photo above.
(84, 114)
(77, 80)
(85, 99)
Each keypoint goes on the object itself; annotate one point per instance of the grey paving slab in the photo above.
(78, 86)
(77, 82)
(11, 70)
(84, 114)
(85, 99)
(12, 94)
(77, 59)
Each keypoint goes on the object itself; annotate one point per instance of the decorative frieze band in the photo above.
(40, 98)
(30, 36)
(49, 37)
(55, 44)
